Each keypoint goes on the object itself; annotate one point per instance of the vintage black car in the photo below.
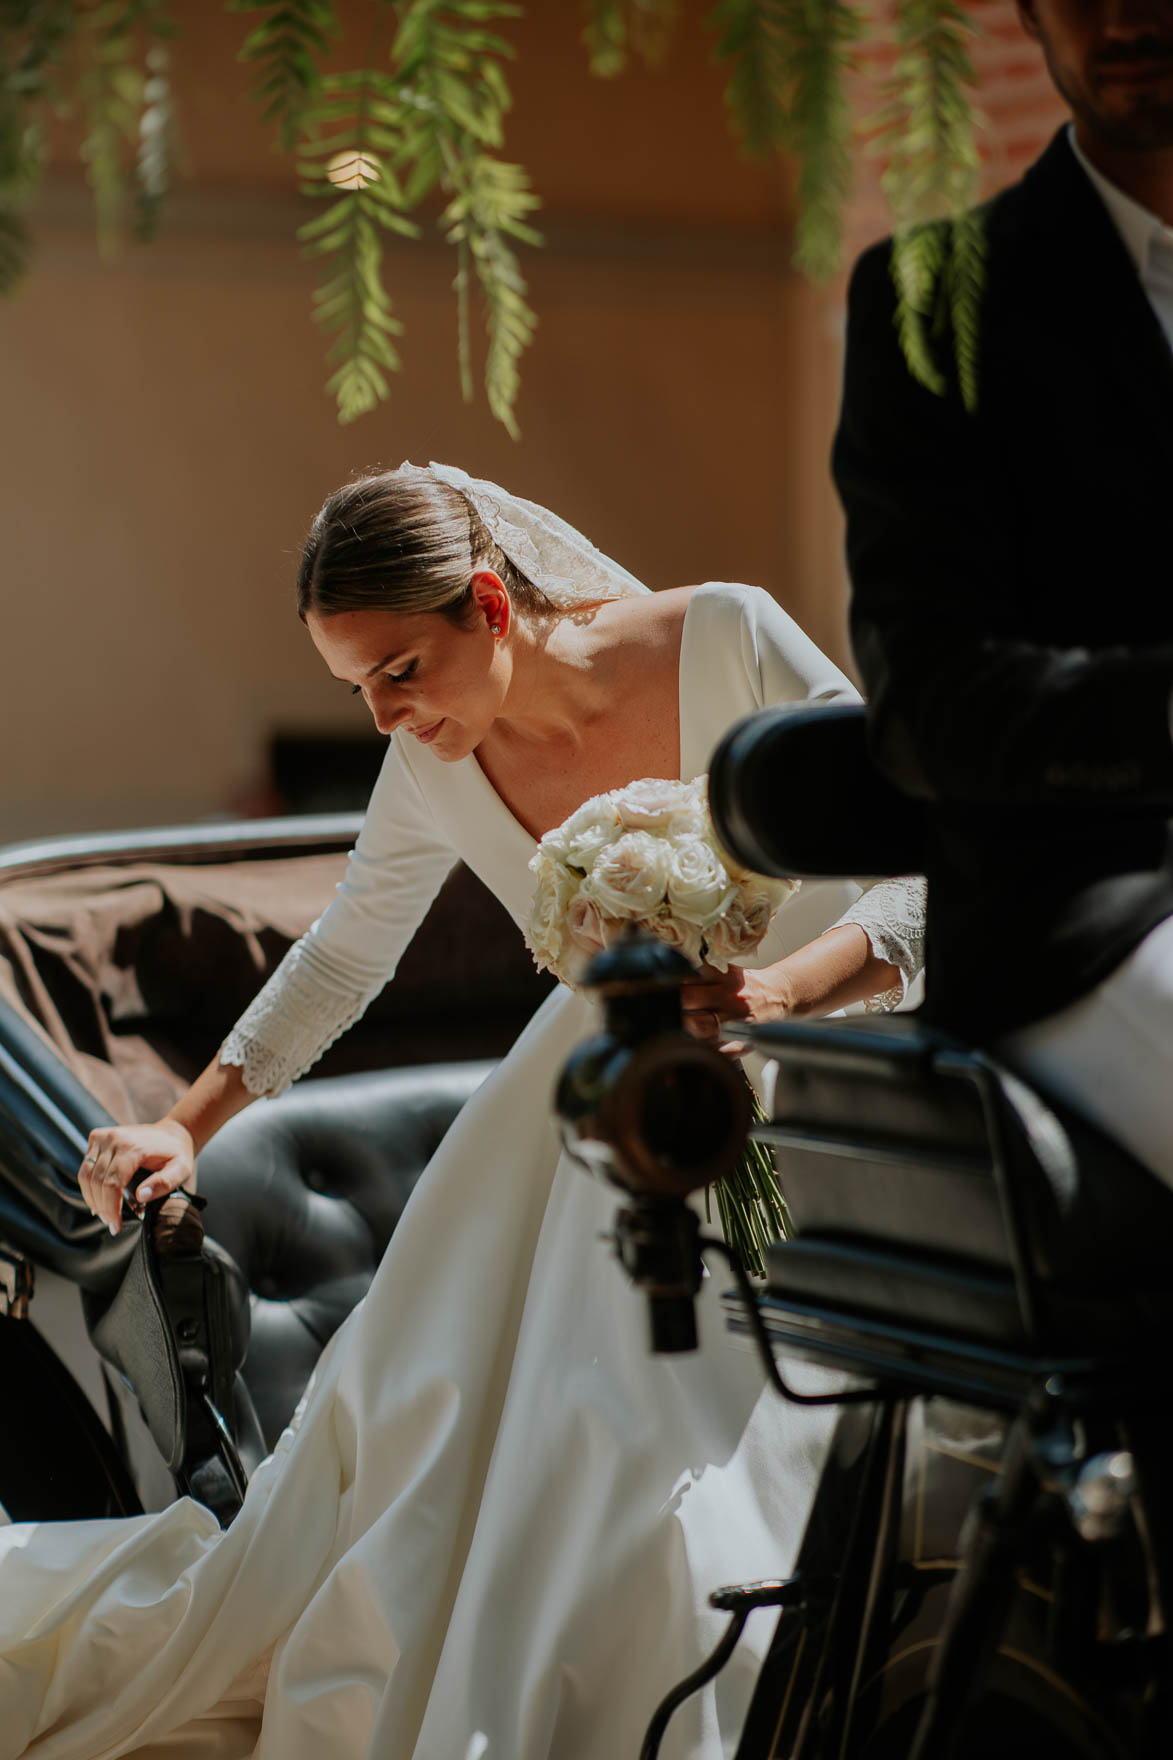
(124, 959)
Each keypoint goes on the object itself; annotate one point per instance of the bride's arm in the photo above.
(325, 982)
(758, 656)
(835, 969)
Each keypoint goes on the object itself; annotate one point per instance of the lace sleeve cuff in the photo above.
(891, 914)
(289, 1024)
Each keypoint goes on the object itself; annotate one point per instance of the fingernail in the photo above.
(145, 1194)
(113, 1227)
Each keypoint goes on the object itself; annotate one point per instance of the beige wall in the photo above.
(165, 436)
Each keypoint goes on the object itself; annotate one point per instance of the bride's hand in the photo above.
(735, 995)
(117, 1152)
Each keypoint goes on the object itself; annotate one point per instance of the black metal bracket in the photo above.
(739, 1600)
(853, 1396)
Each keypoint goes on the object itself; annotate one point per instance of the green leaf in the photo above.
(486, 206)
(928, 125)
(14, 249)
(821, 47)
(927, 134)
(753, 40)
(442, 111)
(653, 24)
(34, 37)
(351, 301)
(918, 259)
(965, 285)
(605, 36)
(287, 48)
(789, 63)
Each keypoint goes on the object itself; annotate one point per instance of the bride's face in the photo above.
(420, 674)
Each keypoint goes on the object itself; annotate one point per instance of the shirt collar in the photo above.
(1139, 230)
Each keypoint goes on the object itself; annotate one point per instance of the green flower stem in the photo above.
(750, 1205)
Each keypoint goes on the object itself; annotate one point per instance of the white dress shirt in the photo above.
(1148, 241)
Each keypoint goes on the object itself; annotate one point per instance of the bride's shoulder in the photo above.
(659, 618)
(718, 601)
(671, 604)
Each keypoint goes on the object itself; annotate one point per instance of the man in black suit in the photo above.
(1012, 575)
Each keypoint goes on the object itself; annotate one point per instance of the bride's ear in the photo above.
(492, 601)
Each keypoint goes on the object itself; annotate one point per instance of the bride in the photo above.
(492, 1528)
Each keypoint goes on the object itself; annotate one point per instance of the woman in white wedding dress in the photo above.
(491, 1531)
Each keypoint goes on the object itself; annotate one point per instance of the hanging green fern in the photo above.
(431, 124)
(423, 119)
(927, 131)
(927, 128)
(918, 261)
(489, 206)
(753, 40)
(822, 35)
(286, 48)
(787, 91)
(456, 98)
(613, 27)
(14, 247)
(356, 157)
(34, 36)
(653, 25)
(965, 286)
(111, 92)
(605, 36)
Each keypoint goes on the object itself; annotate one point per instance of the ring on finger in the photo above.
(90, 1161)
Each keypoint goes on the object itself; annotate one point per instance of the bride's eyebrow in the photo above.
(382, 665)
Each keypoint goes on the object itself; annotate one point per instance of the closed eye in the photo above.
(391, 677)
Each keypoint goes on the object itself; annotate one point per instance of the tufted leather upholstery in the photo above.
(123, 961)
(304, 1193)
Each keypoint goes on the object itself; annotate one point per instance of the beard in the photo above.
(1145, 127)
(1133, 118)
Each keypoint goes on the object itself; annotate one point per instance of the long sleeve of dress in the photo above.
(782, 665)
(329, 977)
(891, 914)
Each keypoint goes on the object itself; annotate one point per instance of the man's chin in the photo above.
(1137, 121)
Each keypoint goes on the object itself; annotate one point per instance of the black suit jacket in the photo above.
(1012, 604)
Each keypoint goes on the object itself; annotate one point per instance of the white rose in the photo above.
(686, 938)
(740, 929)
(545, 931)
(775, 890)
(589, 829)
(698, 886)
(630, 877)
(648, 805)
(585, 925)
(689, 821)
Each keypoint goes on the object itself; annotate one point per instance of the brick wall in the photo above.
(1013, 94)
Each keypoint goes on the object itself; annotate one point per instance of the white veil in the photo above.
(559, 561)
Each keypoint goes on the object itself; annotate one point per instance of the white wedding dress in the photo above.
(492, 1529)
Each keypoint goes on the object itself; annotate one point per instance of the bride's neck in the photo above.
(559, 683)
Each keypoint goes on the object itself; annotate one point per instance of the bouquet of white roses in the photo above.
(646, 855)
